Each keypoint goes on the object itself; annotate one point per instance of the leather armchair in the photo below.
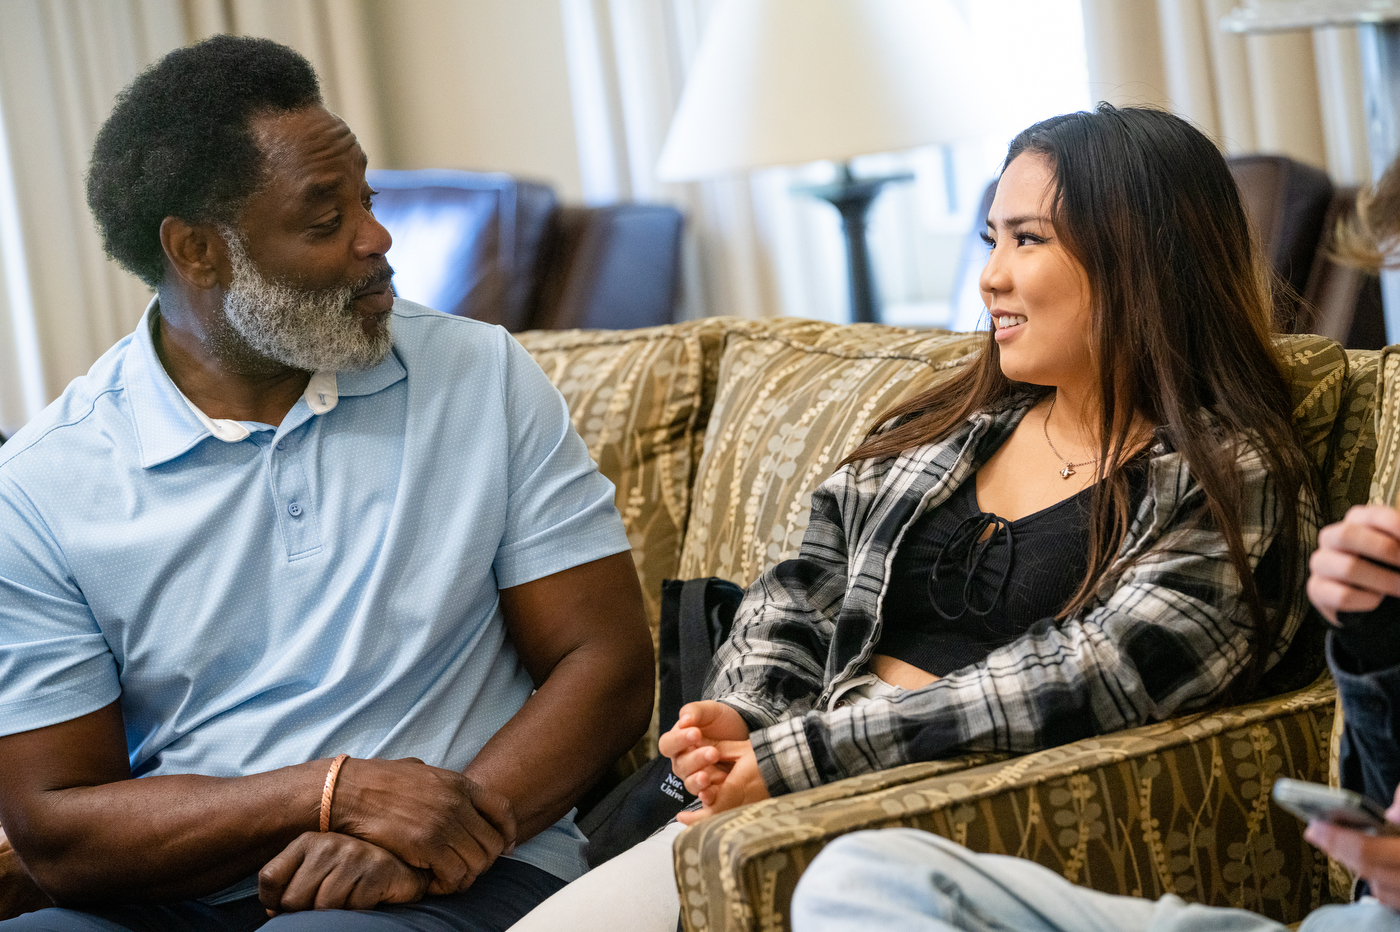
(1295, 209)
(503, 250)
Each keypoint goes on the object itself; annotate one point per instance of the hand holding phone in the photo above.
(1315, 802)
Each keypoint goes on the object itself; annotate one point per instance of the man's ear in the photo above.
(195, 251)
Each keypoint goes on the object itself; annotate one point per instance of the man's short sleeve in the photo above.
(55, 664)
(560, 513)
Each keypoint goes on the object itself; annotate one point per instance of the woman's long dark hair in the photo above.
(1182, 320)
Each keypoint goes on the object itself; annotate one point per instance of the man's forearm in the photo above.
(165, 837)
(593, 707)
(18, 892)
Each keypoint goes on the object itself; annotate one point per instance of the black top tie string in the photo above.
(963, 553)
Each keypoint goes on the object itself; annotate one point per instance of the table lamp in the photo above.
(784, 82)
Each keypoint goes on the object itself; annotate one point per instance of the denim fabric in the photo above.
(902, 880)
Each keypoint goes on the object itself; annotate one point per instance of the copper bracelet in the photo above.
(329, 791)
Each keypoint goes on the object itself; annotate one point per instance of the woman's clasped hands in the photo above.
(711, 753)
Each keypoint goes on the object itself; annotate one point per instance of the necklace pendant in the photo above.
(1067, 471)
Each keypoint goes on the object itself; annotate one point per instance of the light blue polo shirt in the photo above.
(329, 586)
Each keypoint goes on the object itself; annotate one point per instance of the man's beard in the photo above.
(310, 329)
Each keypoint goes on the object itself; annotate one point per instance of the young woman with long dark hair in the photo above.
(1102, 521)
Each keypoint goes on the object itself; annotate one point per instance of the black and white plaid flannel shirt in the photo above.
(1167, 633)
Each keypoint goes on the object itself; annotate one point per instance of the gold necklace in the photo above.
(1045, 426)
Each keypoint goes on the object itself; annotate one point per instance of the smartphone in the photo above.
(1313, 801)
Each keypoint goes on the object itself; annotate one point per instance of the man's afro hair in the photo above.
(179, 144)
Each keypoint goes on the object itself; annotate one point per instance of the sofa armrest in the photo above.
(1175, 807)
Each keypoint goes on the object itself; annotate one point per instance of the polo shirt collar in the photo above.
(168, 424)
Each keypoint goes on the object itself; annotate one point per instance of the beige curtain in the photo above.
(1293, 93)
(627, 65)
(62, 62)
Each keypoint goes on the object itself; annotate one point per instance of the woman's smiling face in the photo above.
(1036, 291)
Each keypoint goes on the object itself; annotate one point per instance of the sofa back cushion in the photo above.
(794, 398)
(1352, 446)
(637, 398)
(1385, 483)
(1317, 370)
(640, 399)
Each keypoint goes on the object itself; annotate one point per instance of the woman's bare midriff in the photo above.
(898, 673)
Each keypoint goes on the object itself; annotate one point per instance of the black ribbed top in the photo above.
(965, 582)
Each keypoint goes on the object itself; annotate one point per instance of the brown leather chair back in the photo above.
(612, 267)
(502, 250)
(466, 243)
(1287, 202)
(1340, 301)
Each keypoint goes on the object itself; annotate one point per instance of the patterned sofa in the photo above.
(716, 431)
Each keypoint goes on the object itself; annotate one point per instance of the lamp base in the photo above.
(853, 197)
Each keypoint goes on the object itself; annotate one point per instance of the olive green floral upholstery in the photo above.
(1353, 443)
(640, 399)
(1179, 807)
(794, 398)
(1385, 481)
(756, 414)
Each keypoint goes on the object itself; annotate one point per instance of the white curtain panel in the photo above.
(1292, 93)
(627, 65)
(62, 63)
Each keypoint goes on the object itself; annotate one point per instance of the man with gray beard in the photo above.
(310, 597)
(308, 330)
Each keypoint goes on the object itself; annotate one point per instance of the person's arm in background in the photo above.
(1355, 584)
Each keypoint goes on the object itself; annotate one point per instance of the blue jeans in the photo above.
(902, 880)
(503, 894)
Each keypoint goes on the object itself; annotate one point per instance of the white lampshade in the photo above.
(781, 82)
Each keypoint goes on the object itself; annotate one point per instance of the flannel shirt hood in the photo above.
(1167, 631)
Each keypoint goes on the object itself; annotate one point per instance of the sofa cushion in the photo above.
(634, 396)
(794, 397)
(1334, 393)
(1352, 446)
(1317, 370)
(1385, 482)
(639, 398)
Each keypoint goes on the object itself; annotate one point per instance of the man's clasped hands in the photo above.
(400, 829)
